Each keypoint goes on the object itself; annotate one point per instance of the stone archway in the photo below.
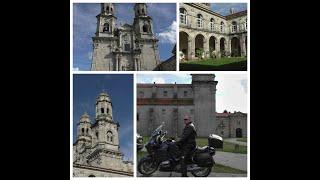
(212, 46)
(235, 47)
(199, 45)
(223, 47)
(184, 44)
(238, 133)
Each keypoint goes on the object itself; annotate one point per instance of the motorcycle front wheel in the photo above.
(203, 172)
(147, 166)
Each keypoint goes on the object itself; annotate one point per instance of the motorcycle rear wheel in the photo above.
(147, 166)
(204, 172)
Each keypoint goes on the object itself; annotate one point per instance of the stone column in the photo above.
(135, 64)
(119, 67)
(192, 51)
(206, 48)
(229, 46)
(243, 46)
(117, 62)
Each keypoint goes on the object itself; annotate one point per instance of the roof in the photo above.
(237, 14)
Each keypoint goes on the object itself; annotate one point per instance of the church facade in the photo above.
(205, 33)
(96, 152)
(126, 47)
(169, 103)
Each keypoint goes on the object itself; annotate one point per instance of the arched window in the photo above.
(145, 28)
(107, 110)
(82, 130)
(109, 136)
(102, 110)
(234, 27)
(183, 16)
(212, 24)
(222, 26)
(199, 21)
(107, 8)
(142, 11)
(111, 9)
(97, 135)
(106, 27)
(87, 131)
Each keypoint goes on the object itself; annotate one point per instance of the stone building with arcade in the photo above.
(205, 33)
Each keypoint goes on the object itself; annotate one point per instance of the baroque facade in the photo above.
(126, 47)
(169, 103)
(96, 152)
(205, 33)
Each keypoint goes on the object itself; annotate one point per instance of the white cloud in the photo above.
(169, 34)
(231, 93)
(159, 80)
(76, 69)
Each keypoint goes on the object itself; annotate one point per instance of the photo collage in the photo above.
(160, 89)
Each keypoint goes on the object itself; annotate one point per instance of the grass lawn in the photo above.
(218, 168)
(242, 139)
(220, 64)
(227, 147)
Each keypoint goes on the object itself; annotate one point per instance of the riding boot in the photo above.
(183, 167)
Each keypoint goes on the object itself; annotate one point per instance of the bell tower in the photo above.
(106, 21)
(142, 22)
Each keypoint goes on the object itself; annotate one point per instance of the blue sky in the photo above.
(86, 87)
(231, 89)
(224, 8)
(84, 27)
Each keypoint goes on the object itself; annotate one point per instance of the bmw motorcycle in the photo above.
(163, 154)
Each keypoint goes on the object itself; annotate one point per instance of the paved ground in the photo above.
(234, 141)
(234, 160)
(167, 174)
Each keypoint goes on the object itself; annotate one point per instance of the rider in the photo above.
(187, 144)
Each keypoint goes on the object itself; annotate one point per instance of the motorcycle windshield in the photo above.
(156, 131)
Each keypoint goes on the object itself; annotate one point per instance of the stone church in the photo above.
(216, 35)
(169, 103)
(96, 152)
(125, 47)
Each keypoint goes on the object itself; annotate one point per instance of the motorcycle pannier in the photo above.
(203, 159)
(215, 141)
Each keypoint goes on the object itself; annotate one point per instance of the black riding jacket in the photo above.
(188, 137)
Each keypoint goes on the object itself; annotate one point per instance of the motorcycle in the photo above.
(163, 154)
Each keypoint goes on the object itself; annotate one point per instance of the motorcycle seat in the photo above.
(201, 149)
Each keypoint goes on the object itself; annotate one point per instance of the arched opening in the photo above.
(234, 27)
(87, 131)
(109, 136)
(212, 45)
(111, 9)
(145, 28)
(183, 44)
(82, 130)
(199, 41)
(107, 110)
(199, 21)
(222, 26)
(97, 135)
(102, 110)
(211, 25)
(106, 27)
(235, 47)
(183, 16)
(222, 47)
(239, 133)
(107, 8)
(142, 11)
